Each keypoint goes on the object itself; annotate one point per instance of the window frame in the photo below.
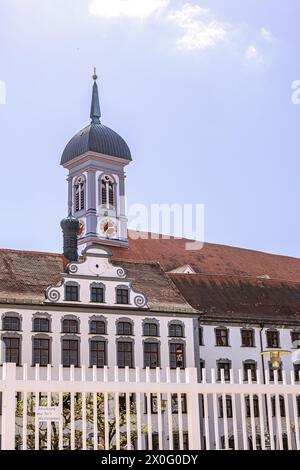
(8, 350)
(100, 364)
(123, 364)
(122, 294)
(251, 332)
(71, 341)
(275, 334)
(11, 319)
(72, 292)
(40, 349)
(175, 353)
(149, 355)
(218, 337)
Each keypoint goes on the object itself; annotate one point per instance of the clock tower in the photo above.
(96, 158)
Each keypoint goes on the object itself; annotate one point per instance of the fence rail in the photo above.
(88, 408)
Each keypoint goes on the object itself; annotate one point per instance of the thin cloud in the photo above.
(126, 8)
(2, 92)
(266, 35)
(201, 30)
(253, 55)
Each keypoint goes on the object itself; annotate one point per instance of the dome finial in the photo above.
(95, 108)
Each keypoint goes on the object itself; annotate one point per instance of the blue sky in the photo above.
(200, 90)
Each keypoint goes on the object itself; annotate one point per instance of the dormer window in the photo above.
(80, 194)
(107, 192)
(122, 295)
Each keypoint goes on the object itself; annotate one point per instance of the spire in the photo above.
(95, 108)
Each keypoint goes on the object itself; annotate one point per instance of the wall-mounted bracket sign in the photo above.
(48, 413)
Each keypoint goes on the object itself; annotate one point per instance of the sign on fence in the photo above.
(48, 413)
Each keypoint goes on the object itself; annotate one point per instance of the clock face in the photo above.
(108, 228)
(81, 230)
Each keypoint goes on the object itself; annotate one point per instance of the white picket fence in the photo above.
(91, 408)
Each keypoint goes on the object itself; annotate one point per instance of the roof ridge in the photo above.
(245, 276)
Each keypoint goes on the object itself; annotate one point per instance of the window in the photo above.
(247, 338)
(252, 367)
(176, 441)
(201, 336)
(174, 403)
(298, 405)
(72, 293)
(12, 350)
(272, 339)
(107, 192)
(11, 324)
(228, 407)
(230, 443)
(124, 328)
(255, 406)
(79, 195)
(151, 355)
(125, 354)
(295, 336)
(297, 372)
(154, 403)
(155, 441)
(177, 355)
(70, 352)
(97, 295)
(258, 442)
(70, 326)
(98, 353)
(223, 365)
(97, 327)
(176, 330)
(271, 373)
(201, 366)
(222, 337)
(122, 296)
(281, 406)
(41, 351)
(150, 329)
(41, 325)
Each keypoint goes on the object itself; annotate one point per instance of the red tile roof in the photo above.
(222, 297)
(227, 285)
(211, 259)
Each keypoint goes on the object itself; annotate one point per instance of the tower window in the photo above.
(80, 195)
(107, 192)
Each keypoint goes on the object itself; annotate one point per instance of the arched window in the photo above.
(150, 328)
(176, 330)
(70, 325)
(80, 194)
(107, 192)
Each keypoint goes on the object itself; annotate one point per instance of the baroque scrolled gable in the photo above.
(96, 281)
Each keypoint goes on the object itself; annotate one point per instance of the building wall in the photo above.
(56, 334)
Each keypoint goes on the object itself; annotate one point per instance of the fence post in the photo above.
(9, 407)
(193, 411)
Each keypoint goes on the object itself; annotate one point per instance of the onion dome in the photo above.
(96, 137)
